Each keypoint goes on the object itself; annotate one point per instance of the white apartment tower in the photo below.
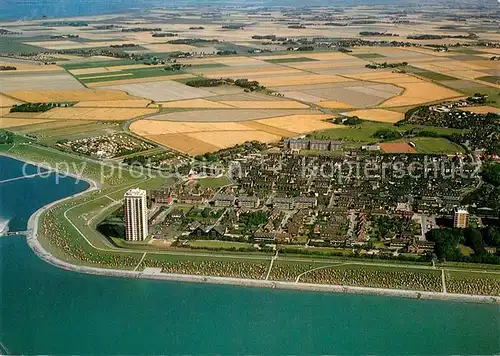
(136, 215)
(460, 218)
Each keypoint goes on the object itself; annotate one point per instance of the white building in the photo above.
(136, 215)
(460, 218)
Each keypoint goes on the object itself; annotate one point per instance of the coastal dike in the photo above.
(255, 283)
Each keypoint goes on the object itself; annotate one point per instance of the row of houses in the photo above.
(313, 145)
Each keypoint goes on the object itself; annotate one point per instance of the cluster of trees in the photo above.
(233, 27)
(378, 34)
(390, 227)
(387, 134)
(35, 107)
(250, 85)
(125, 45)
(440, 37)
(6, 137)
(167, 34)
(301, 48)
(141, 29)
(348, 121)
(253, 219)
(8, 68)
(386, 65)
(488, 194)
(447, 241)
(192, 41)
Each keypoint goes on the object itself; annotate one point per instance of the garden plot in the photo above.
(162, 91)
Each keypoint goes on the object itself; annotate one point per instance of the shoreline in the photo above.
(38, 249)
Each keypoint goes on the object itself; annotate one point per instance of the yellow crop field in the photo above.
(301, 123)
(4, 111)
(302, 80)
(99, 114)
(267, 104)
(139, 80)
(482, 109)
(118, 75)
(248, 73)
(328, 56)
(83, 71)
(8, 123)
(224, 139)
(167, 47)
(416, 91)
(193, 104)
(134, 103)
(183, 143)
(379, 115)
(152, 127)
(254, 125)
(200, 137)
(420, 93)
(332, 104)
(30, 67)
(44, 96)
(6, 101)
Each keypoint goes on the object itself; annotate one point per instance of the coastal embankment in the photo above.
(41, 252)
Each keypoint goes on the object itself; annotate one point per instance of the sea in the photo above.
(47, 310)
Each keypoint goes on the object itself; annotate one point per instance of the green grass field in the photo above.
(435, 145)
(218, 244)
(213, 182)
(96, 64)
(495, 79)
(131, 74)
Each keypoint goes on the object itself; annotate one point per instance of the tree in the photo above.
(474, 240)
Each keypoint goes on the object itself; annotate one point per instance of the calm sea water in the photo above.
(45, 310)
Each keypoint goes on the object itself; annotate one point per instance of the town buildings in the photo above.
(136, 215)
